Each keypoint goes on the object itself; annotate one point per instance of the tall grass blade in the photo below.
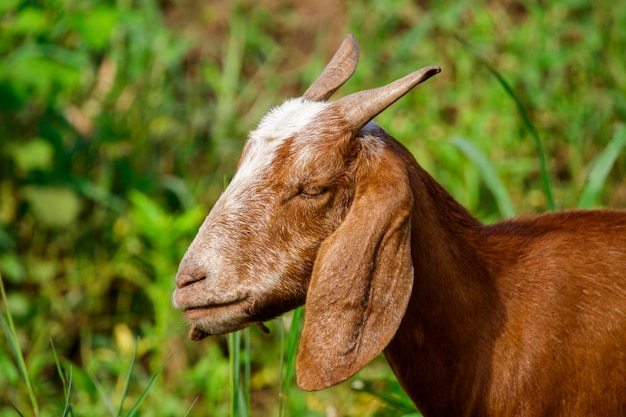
(289, 346)
(8, 327)
(59, 368)
(58, 365)
(192, 405)
(282, 386)
(292, 343)
(103, 394)
(541, 154)
(231, 74)
(247, 369)
(128, 379)
(143, 395)
(234, 355)
(15, 408)
(399, 403)
(67, 387)
(243, 408)
(601, 168)
(489, 174)
(68, 411)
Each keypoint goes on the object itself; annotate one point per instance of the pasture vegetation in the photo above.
(121, 121)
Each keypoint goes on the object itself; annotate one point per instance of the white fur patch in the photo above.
(287, 119)
(279, 124)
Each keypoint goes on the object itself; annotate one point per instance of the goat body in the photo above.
(522, 318)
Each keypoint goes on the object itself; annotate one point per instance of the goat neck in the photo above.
(454, 312)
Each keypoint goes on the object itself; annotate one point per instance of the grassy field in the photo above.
(120, 123)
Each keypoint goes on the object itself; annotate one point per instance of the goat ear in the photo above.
(361, 281)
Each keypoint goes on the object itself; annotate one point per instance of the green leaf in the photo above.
(11, 98)
(541, 154)
(34, 154)
(601, 168)
(489, 174)
(42, 74)
(96, 27)
(135, 408)
(55, 207)
(29, 21)
(11, 267)
(147, 214)
(6, 5)
(393, 396)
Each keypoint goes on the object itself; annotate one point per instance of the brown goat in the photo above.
(522, 318)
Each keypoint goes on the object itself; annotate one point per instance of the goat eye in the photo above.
(312, 191)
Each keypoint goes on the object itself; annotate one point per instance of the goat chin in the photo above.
(525, 317)
(197, 334)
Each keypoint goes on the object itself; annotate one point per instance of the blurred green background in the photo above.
(121, 121)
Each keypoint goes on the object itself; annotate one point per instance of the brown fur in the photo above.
(522, 318)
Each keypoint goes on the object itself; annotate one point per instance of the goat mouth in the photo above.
(202, 311)
(218, 318)
(217, 311)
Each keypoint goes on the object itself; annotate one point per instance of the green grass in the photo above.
(8, 328)
(602, 166)
(120, 124)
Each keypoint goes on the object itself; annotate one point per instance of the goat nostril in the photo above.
(183, 278)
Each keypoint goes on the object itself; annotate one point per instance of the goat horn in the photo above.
(359, 108)
(337, 72)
